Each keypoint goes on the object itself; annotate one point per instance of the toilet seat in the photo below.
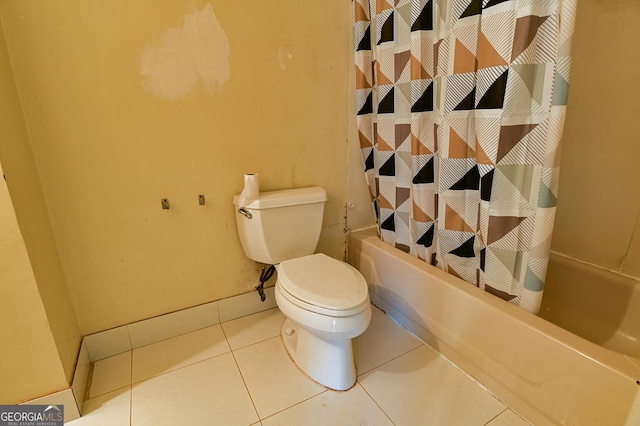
(321, 284)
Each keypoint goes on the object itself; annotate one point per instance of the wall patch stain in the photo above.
(198, 52)
(284, 57)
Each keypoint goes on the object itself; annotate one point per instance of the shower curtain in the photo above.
(460, 110)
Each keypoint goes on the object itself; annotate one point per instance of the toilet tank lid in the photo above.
(286, 197)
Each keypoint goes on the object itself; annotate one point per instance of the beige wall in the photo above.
(29, 362)
(599, 199)
(33, 290)
(130, 102)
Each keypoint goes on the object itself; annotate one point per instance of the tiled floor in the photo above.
(238, 373)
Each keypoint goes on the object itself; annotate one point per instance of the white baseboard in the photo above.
(131, 336)
(121, 339)
(64, 397)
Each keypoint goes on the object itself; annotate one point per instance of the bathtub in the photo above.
(540, 370)
(594, 303)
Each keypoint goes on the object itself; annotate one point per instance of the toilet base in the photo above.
(328, 362)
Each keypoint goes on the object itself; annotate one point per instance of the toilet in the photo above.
(325, 301)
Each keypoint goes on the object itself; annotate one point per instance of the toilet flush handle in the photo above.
(246, 213)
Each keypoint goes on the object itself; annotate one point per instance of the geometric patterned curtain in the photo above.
(461, 105)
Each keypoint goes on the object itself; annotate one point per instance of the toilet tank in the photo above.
(283, 225)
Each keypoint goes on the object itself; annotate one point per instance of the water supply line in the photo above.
(265, 275)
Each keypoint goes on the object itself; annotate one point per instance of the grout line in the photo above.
(245, 383)
(129, 336)
(87, 389)
(626, 253)
(131, 388)
(473, 379)
(173, 337)
(108, 392)
(374, 401)
(179, 368)
(396, 357)
(206, 359)
(250, 344)
(298, 403)
(241, 376)
(496, 416)
(599, 267)
(467, 375)
(254, 343)
(358, 382)
(90, 383)
(249, 314)
(423, 343)
(131, 369)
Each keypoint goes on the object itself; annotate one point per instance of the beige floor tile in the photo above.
(177, 352)
(110, 409)
(210, 392)
(110, 374)
(422, 388)
(508, 418)
(353, 407)
(254, 328)
(274, 381)
(383, 341)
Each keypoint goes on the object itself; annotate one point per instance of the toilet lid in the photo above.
(323, 281)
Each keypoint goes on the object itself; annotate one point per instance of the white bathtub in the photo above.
(543, 372)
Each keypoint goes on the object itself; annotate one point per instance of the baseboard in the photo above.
(117, 340)
(131, 336)
(64, 397)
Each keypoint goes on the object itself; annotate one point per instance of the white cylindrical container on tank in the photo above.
(250, 191)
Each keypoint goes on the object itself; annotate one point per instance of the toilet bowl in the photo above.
(326, 303)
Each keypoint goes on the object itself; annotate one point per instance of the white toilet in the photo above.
(326, 301)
